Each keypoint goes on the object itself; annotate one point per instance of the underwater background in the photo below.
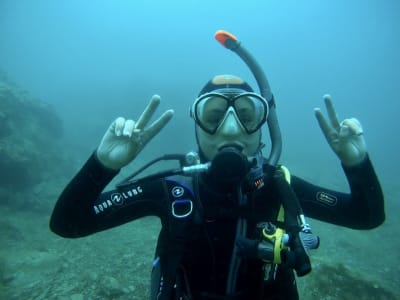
(69, 68)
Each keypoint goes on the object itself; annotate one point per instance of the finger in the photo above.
(128, 128)
(353, 125)
(118, 126)
(148, 112)
(327, 130)
(331, 112)
(158, 124)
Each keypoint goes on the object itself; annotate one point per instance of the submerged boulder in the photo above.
(30, 132)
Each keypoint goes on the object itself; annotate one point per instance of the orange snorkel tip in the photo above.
(223, 37)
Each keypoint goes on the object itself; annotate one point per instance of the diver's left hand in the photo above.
(345, 138)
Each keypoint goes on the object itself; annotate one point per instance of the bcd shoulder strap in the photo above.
(179, 230)
(281, 213)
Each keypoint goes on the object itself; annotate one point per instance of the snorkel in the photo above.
(230, 42)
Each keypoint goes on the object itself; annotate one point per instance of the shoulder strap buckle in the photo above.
(181, 208)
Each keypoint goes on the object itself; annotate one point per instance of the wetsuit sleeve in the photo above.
(83, 209)
(363, 208)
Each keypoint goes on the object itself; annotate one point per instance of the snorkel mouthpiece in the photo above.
(229, 166)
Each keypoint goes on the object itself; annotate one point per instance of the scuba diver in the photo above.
(233, 221)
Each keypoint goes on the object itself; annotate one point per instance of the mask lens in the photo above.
(251, 111)
(210, 111)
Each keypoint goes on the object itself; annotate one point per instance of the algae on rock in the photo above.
(30, 132)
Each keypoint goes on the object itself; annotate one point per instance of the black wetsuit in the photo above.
(209, 231)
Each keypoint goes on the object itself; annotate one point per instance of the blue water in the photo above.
(97, 60)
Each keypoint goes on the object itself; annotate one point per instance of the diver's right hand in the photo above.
(124, 139)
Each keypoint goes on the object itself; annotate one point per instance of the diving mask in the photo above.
(211, 109)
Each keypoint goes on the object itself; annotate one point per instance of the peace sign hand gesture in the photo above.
(345, 138)
(124, 139)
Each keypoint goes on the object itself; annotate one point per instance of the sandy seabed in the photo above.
(116, 264)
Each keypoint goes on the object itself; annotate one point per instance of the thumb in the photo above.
(351, 127)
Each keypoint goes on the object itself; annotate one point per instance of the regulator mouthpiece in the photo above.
(230, 165)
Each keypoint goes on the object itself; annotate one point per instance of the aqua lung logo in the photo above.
(117, 199)
(132, 192)
(177, 191)
(102, 206)
(326, 198)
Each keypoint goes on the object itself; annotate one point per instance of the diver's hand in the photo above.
(124, 139)
(345, 138)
